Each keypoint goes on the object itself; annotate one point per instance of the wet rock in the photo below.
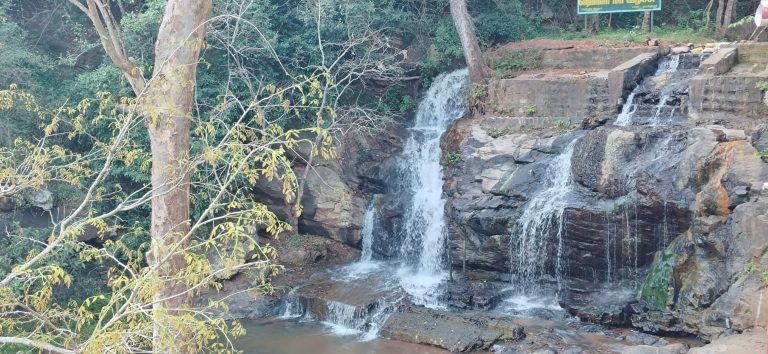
(473, 295)
(725, 135)
(242, 302)
(332, 209)
(573, 351)
(302, 250)
(759, 138)
(641, 338)
(452, 332)
(603, 306)
(545, 351)
(657, 322)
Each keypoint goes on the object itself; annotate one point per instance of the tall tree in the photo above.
(646, 27)
(466, 29)
(727, 16)
(593, 23)
(165, 100)
(719, 16)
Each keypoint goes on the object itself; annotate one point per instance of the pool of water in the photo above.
(294, 337)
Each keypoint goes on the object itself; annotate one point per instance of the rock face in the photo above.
(678, 210)
(337, 190)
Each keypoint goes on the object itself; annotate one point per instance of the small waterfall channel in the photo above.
(659, 99)
(538, 237)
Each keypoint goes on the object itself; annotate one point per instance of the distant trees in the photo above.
(213, 153)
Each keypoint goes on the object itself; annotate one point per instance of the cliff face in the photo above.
(673, 213)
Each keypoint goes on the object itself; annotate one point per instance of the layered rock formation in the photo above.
(675, 215)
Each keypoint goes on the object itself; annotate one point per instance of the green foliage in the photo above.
(395, 99)
(750, 267)
(518, 60)
(563, 126)
(530, 110)
(744, 21)
(696, 21)
(655, 289)
(446, 49)
(762, 85)
(476, 97)
(452, 158)
(666, 34)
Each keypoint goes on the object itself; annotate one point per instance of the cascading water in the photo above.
(657, 100)
(420, 261)
(366, 265)
(367, 235)
(538, 236)
(292, 307)
(542, 218)
(423, 249)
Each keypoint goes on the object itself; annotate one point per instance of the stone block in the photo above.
(720, 62)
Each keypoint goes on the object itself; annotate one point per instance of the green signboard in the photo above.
(607, 6)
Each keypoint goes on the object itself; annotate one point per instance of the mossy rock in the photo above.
(656, 288)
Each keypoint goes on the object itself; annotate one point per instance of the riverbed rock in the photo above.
(750, 342)
(453, 332)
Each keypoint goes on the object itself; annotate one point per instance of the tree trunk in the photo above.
(170, 96)
(727, 17)
(708, 12)
(593, 23)
(466, 30)
(719, 16)
(646, 27)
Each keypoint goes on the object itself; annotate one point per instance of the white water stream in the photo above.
(423, 250)
(542, 219)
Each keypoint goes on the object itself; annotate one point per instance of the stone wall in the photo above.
(592, 97)
(594, 58)
(729, 100)
(725, 90)
(554, 97)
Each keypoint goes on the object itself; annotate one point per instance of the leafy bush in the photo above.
(452, 159)
(530, 110)
(518, 60)
(446, 49)
(498, 28)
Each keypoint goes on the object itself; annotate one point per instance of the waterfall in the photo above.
(423, 229)
(629, 108)
(542, 218)
(366, 256)
(345, 319)
(366, 265)
(292, 307)
(671, 76)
